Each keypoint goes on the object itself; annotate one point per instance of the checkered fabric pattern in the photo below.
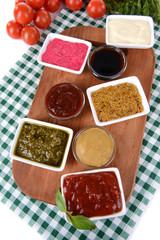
(17, 90)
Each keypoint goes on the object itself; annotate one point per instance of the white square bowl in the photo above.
(52, 36)
(134, 80)
(116, 171)
(147, 19)
(41, 123)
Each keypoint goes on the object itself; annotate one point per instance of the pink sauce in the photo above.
(66, 54)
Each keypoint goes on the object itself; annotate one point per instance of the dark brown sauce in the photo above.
(64, 100)
(107, 62)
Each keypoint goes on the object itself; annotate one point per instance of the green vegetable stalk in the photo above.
(79, 221)
(135, 7)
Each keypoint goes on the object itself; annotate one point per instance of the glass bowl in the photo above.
(64, 101)
(107, 62)
(93, 147)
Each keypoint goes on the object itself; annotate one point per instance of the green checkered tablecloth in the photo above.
(17, 91)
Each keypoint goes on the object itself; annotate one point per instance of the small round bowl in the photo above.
(64, 101)
(107, 62)
(93, 147)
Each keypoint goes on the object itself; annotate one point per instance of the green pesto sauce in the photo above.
(42, 144)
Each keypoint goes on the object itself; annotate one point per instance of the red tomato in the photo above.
(35, 4)
(42, 19)
(14, 29)
(23, 13)
(18, 1)
(30, 35)
(96, 8)
(51, 5)
(74, 5)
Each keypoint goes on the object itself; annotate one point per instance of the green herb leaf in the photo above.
(60, 202)
(135, 7)
(81, 222)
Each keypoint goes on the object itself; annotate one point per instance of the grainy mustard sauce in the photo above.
(117, 101)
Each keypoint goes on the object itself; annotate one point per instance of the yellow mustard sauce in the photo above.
(94, 147)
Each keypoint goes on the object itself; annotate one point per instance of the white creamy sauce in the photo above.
(129, 31)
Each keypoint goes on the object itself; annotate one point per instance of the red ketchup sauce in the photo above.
(65, 54)
(92, 195)
(64, 100)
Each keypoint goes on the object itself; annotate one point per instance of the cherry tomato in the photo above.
(18, 1)
(14, 29)
(23, 13)
(35, 4)
(42, 19)
(51, 5)
(30, 35)
(96, 8)
(74, 5)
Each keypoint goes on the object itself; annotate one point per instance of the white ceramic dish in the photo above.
(40, 123)
(147, 19)
(134, 80)
(116, 171)
(49, 38)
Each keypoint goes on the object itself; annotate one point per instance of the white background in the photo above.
(11, 226)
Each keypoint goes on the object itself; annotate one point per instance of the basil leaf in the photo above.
(81, 222)
(60, 202)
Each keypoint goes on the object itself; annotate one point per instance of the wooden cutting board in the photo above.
(42, 184)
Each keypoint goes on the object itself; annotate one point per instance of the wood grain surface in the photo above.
(42, 184)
